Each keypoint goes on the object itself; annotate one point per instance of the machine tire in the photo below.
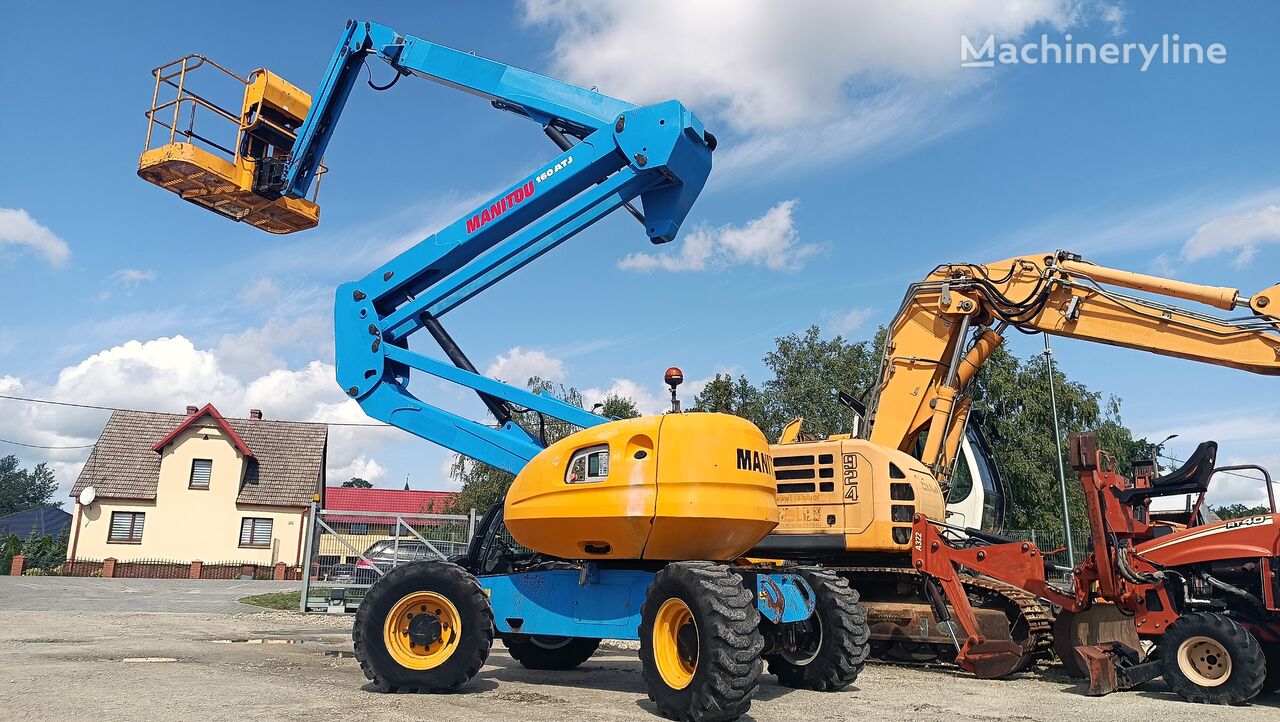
(556, 653)
(1211, 659)
(1271, 683)
(394, 665)
(704, 606)
(843, 638)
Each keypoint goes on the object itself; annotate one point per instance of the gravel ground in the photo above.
(64, 666)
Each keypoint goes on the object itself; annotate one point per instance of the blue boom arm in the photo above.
(660, 154)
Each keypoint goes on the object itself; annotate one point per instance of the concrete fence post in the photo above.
(108, 567)
(19, 561)
(197, 567)
(278, 575)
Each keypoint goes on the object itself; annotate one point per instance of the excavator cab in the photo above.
(232, 164)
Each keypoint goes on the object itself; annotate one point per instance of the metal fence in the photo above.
(350, 550)
(1052, 543)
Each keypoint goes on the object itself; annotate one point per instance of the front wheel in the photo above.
(423, 627)
(834, 642)
(700, 643)
(543, 652)
(1210, 658)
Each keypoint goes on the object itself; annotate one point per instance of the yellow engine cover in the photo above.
(679, 486)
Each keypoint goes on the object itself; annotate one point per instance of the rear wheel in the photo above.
(543, 652)
(835, 642)
(700, 643)
(1210, 658)
(423, 627)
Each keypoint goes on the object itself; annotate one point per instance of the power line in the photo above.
(38, 446)
(96, 407)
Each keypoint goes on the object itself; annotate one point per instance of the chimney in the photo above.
(255, 414)
(191, 410)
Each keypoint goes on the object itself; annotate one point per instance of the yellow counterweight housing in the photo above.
(673, 487)
(850, 495)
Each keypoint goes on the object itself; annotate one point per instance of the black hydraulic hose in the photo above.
(499, 408)
(1233, 589)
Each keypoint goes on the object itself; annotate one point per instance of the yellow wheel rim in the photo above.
(1204, 661)
(430, 640)
(675, 643)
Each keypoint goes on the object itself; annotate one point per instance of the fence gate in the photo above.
(350, 550)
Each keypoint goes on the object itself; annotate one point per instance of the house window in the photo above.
(359, 529)
(126, 527)
(255, 532)
(201, 470)
(588, 465)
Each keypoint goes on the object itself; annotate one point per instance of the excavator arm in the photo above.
(950, 323)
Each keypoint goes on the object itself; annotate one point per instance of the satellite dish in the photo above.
(87, 495)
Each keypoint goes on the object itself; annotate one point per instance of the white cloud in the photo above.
(127, 279)
(1243, 231)
(647, 400)
(131, 277)
(770, 240)
(517, 366)
(362, 467)
(654, 399)
(18, 228)
(256, 350)
(774, 74)
(854, 319)
(259, 292)
(167, 374)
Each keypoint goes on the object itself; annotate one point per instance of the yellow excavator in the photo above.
(847, 501)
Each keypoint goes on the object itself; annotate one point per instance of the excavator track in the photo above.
(1030, 620)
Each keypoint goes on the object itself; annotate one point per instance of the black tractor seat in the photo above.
(1191, 478)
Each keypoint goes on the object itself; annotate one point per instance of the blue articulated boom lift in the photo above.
(628, 529)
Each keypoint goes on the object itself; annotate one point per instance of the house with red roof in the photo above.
(393, 518)
(198, 487)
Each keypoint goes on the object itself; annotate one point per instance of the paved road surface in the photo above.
(87, 594)
(95, 666)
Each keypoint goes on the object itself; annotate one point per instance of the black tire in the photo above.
(839, 635)
(1271, 683)
(471, 649)
(726, 657)
(1187, 651)
(559, 653)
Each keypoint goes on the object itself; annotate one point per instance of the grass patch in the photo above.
(285, 601)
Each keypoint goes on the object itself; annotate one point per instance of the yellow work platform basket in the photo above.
(223, 170)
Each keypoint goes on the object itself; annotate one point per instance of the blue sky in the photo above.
(855, 155)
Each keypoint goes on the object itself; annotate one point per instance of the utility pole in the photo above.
(1057, 448)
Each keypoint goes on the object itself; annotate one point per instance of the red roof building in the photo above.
(394, 501)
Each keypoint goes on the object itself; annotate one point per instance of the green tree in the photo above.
(725, 395)
(1236, 511)
(21, 489)
(483, 485)
(808, 371)
(356, 482)
(615, 406)
(1014, 411)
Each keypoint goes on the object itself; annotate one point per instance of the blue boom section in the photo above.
(660, 154)
(605, 603)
